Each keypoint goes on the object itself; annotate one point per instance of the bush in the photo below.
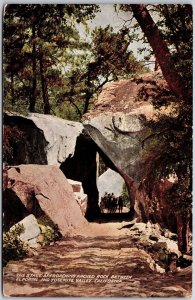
(11, 136)
(13, 247)
(125, 196)
(49, 231)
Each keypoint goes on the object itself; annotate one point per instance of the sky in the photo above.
(108, 16)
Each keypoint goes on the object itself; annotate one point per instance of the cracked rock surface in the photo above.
(38, 190)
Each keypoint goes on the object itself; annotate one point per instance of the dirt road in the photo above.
(99, 260)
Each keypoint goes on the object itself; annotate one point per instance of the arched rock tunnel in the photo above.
(82, 166)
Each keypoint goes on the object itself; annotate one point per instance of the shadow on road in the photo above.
(114, 217)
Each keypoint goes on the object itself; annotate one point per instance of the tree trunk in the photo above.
(12, 88)
(34, 79)
(88, 94)
(87, 99)
(183, 232)
(160, 49)
(44, 86)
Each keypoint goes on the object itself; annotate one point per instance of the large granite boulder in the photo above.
(119, 124)
(45, 139)
(40, 190)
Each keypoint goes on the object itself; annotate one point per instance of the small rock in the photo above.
(173, 237)
(141, 227)
(153, 238)
(172, 247)
(170, 235)
(163, 256)
(152, 266)
(184, 261)
(157, 227)
(173, 266)
(42, 228)
(159, 245)
(159, 269)
(132, 265)
(142, 267)
(76, 185)
(148, 225)
(33, 243)
(40, 238)
(32, 252)
(188, 257)
(31, 228)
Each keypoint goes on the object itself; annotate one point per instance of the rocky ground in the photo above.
(98, 260)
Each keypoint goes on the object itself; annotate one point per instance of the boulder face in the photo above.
(118, 125)
(40, 190)
(110, 182)
(119, 97)
(124, 148)
(156, 208)
(45, 139)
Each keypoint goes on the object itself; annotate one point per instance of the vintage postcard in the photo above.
(97, 150)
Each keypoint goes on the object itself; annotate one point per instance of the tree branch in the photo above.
(161, 51)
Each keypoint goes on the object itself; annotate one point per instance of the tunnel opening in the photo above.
(114, 200)
(86, 165)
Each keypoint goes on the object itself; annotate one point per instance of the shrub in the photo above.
(49, 230)
(11, 136)
(13, 247)
(125, 196)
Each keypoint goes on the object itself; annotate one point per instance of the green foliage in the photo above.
(176, 25)
(48, 235)
(105, 60)
(45, 221)
(174, 154)
(11, 135)
(125, 196)
(38, 44)
(180, 197)
(49, 231)
(49, 67)
(102, 166)
(13, 247)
